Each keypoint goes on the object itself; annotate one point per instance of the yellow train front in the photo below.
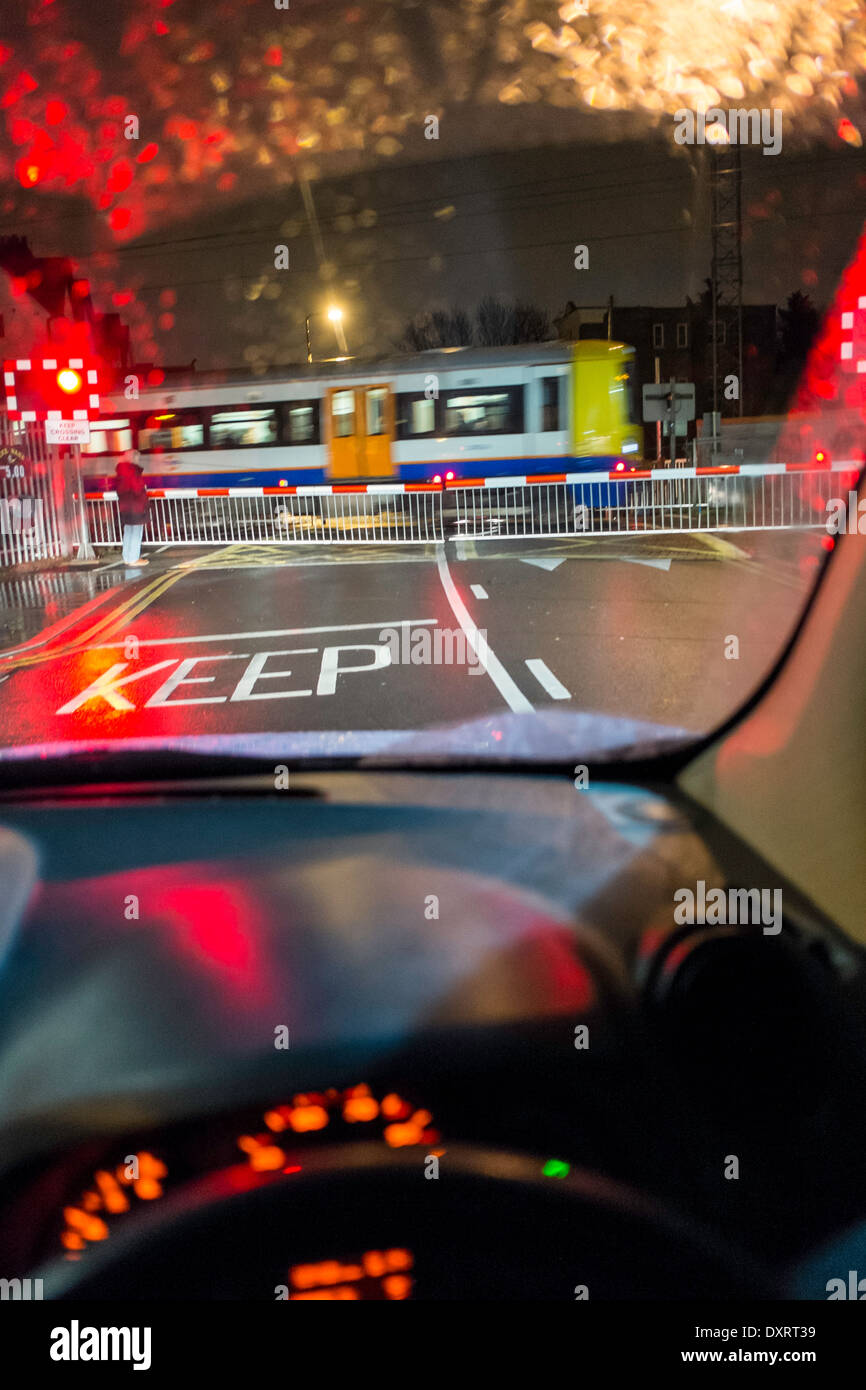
(531, 411)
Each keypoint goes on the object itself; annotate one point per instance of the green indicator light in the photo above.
(555, 1168)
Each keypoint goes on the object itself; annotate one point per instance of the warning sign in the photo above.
(67, 431)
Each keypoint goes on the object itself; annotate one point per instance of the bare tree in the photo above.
(496, 324)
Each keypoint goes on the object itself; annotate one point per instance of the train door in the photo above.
(360, 431)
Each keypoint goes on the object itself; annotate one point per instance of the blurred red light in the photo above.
(68, 380)
(437, 477)
(448, 476)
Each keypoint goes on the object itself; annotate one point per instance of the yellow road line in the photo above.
(111, 622)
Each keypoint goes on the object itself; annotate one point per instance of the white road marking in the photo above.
(653, 564)
(542, 563)
(183, 640)
(542, 673)
(487, 659)
(478, 590)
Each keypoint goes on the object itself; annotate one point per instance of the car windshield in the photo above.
(420, 381)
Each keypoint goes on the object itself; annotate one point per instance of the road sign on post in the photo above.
(673, 403)
(659, 396)
(67, 431)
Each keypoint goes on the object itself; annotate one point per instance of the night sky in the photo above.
(555, 128)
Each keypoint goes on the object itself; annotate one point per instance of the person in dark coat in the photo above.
(132, 505)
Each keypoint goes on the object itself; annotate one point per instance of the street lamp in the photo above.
(334, 315)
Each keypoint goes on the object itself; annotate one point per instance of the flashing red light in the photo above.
(68, 380)
(620, 467)
(820, 456)
(42, 386)
(449, 475)
(437, 477)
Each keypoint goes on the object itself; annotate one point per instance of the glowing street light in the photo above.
(334, 315)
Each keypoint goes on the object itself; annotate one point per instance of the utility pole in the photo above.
(726, 189)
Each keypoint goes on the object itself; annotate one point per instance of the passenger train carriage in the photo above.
(453, 413)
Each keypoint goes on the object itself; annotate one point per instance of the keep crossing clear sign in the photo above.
(67, 431)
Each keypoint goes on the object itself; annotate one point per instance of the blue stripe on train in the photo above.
(404, 473)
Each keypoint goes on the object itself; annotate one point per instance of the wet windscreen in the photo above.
(464, 380)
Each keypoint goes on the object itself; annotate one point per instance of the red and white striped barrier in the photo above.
(746, 470)
(733, 497)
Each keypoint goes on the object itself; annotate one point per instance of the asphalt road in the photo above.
(264, 639)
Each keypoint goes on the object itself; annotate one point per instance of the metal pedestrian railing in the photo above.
(752, 497)
(324, 515)
(31, 496)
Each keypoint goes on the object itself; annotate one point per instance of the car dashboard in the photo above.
(426, 1035)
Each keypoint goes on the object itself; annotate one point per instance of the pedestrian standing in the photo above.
(132, 504)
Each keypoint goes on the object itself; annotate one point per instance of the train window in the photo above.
(170, 430)
(243, 428)
(376, 398)
(301, 422)
(416, 415)
(109, 437)
(498, 410)
(343, 413)
(550, 403)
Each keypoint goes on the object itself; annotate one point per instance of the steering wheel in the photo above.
(491, 1225)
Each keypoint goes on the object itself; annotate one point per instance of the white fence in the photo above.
(32, 496)
(755, 497)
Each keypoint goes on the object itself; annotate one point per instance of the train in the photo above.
(432, 417)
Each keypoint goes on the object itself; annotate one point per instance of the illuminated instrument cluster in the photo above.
(276, 1141)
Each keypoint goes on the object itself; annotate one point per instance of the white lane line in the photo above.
(542, 673)
(487, 660)
(182, 640)
(478, 590)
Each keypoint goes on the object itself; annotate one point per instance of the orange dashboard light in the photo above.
(344, 1293)
(91, 1201)
(70, 1240)
(147, 1189)
(112, 1195)
(397, 1286)
(398, 1136)
(374, 1264)
(275, 1121)
(394, 1107)
(398, 1259)
(306, 1117)
(360, 1109)
(267, 1159)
